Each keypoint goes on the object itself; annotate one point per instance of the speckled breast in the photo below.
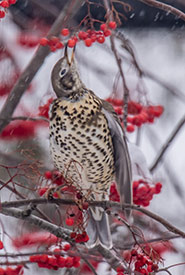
(80, 142)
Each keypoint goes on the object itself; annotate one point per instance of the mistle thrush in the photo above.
(88, 145)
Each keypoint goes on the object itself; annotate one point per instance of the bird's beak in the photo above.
(72, 55)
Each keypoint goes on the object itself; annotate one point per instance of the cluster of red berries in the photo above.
(53, 43)
(28, 40)
(143, 263)
(89, 37)
(56, 261)
(56, 178)
(137, 114)
(18, 270)
(79, 237)
(142, 192)
(35, 239)
(20, 130)
(4, 5)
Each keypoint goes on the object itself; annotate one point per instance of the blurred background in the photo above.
(158, 41)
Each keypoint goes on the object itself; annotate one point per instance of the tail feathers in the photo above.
(98, 229)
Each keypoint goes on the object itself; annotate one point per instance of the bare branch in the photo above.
(58, 231)
(26, 77)
(167, 144)
(165, 7)
(13, 190)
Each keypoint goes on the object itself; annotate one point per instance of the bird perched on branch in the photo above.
(88, 145)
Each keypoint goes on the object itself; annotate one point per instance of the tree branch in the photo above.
(58, 231)
(165, 7)
(167, 144)
(103, 204)
(26, 77)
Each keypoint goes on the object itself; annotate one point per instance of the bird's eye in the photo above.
(62, 72)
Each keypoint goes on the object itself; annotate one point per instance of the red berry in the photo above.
(101, 39)
(43, 258)
(56, 195)
(103, 27)
(42, 191)
(69, 222)
(137, 120)
(65, 32)
(59, 45)
(53, 41)
(11, 2)
(75, 38)
(71, 43)
(118, 110)
(130, 128)
(130, 119)
(158, 110)
(88, 42)
(61, 262)
(158, 187)
(48, 175)
(134, 252)
(79, 196)
(69, 262)
(76, 264)
(112, 25)
(82, 35)
(57, 250)
(67, 247)
(107, 33)
(73, 235)
(85, 205)
(155, 267)
(2, 14)
(120, 269)
(5, 4)
(1, 245)
(44, 41)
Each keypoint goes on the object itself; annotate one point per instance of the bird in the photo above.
(88, 145)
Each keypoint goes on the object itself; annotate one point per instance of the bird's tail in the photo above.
(98, 228)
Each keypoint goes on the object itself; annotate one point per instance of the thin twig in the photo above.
(170, 266)
(129, 47)
(21, 262)
(118, 61)
(162, 239)
(26, 77)
(165, 7)
(13, 190)
(167, 144)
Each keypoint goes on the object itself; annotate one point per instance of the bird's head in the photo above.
(65, 78)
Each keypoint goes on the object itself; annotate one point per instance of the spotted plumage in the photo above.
(87, 145)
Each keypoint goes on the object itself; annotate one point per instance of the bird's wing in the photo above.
(121, 155)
